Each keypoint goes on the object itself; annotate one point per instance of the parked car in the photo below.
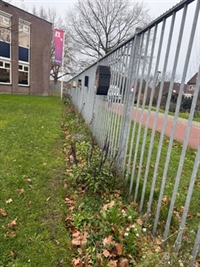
(114, 94)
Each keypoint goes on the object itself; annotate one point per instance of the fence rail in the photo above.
(145, 69)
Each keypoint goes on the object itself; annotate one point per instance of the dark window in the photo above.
(4, 49)
(4, 76)
(23, 54)
(23, 78)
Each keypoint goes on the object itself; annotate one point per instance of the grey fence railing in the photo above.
(151, 71)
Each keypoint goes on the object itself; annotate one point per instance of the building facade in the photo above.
(25, 52)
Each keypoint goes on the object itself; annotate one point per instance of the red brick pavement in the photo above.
(194, 137)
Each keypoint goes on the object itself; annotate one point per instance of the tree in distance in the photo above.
(99, 26)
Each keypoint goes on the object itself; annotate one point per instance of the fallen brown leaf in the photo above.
(107, 241)
(124, 263)
(182, 209)
(69, 201)
(3, 212)
(20, 191)
(77, 262)
(106, 253)
(8, 201)
(12, 224)
(80, 251)
(198, 262)
(117, 193)
(10, 234)
(113, 263)
(158, 249)
(158, 241)
(197, 183)
(79, 239)
(108, 205)
(164, 200)
(119, 249)
(139, 221)
(134, 204)
(12, 254)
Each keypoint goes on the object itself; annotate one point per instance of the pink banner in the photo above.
(58, 45)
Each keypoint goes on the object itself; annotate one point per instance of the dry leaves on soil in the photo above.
(79, 239)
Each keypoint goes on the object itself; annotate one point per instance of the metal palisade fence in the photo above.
(141, 124)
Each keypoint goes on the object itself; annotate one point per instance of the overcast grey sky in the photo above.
(156, 8)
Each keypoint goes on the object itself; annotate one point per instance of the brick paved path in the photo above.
(194, 138)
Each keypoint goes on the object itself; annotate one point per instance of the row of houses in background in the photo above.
(188, 92)
(25, 52)
(188, 89)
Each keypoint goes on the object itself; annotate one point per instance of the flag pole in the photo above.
(61, 89)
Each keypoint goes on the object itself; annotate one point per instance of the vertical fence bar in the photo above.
(113, 101)
(141, 119)
(157, 114)
(188, 199)
(165, 121)
(167, 226)
(138, 103)
(152, 92)
(123, 83)
(147, 121)
(134, 88)
(196, 248)
(128, 106)
(118, 116)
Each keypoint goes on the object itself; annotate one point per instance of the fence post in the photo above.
(129, 98)
(196, 248)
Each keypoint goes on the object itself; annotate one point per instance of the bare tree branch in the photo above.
(99, 26)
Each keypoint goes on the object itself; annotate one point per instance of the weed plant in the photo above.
(116, 233)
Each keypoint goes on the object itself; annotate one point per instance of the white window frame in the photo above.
(21, 63)
(4, 67)
(6, 17)
(26, 27)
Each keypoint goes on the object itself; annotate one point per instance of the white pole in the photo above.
(61, 89)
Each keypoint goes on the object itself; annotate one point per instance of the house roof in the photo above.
(193, 80)
(166, 86)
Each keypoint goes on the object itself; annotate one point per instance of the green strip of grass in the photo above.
(32, 231)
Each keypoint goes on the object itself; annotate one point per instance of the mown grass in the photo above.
(183, 115)
(32, 231)
(171, 176)
(46, 192)
(134, 156)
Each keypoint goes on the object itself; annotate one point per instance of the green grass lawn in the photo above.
(56, 186)
(32, 208)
